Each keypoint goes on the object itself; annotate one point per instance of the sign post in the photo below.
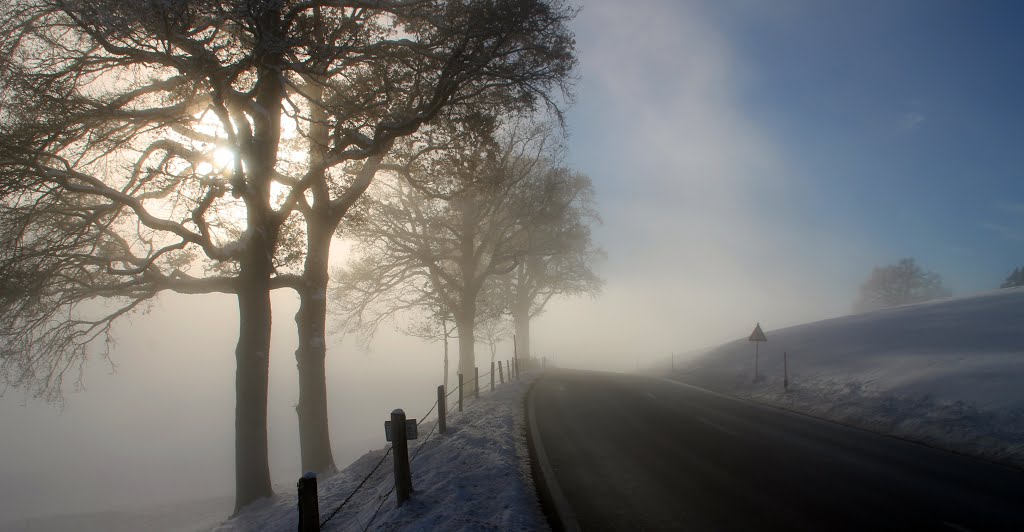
(757, 337)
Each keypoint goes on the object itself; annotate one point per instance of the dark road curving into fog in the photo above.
(636, 453)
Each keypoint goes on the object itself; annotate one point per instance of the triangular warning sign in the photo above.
(758, 335)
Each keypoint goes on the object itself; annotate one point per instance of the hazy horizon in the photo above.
(738, 179)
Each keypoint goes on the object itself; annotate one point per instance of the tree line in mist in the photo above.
(471, 239)
(906, 282)
(219, 146)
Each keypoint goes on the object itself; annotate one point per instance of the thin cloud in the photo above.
(1009, 233)
(911, 120)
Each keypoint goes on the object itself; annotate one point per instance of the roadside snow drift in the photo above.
(948, 373)
(475, 477)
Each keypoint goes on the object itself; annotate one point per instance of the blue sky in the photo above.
(754, 160)
(917, 99)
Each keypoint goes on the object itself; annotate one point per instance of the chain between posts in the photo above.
(388, 452)
(350, 495)
(377, 511)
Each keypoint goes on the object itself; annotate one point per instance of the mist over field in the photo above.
(718, 211)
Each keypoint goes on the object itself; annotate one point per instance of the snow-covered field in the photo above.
(475, 477)
(947, 373)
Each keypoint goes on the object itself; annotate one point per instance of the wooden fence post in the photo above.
(517, 367)
(673, 361)
(460, 392)
(476, 382)
(309, 507)
(442, 409)
(492, 375)
(501, 373)
(400, 450)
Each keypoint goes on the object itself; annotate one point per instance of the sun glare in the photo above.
(223, 158)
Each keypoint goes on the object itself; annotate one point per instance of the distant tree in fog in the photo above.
(421, 248)
(899, 284)
(560, 256)
(1014, 279)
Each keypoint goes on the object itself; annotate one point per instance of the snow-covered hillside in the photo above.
(474, 477)
(948, 373)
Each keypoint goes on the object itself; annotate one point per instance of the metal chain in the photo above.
(350, 495)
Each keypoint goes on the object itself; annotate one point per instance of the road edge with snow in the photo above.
(556, 506)
(928, 433)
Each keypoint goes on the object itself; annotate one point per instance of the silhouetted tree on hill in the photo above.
(1014, 279)
(899, 284)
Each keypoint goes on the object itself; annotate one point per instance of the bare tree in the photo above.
(492, 56)
(559, 252)
(421, 249)
(899, 284)
(145, 141)
(492, 328)
(433, 327)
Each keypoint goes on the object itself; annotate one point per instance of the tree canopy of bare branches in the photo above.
(214, 145)
(424, 249)
(560, 253)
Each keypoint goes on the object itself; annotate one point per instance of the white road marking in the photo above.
(955, 526)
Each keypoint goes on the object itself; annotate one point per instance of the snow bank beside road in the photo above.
(475, 477)
(947, 373)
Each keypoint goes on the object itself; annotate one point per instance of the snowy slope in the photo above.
(948, 373)
(475, 477)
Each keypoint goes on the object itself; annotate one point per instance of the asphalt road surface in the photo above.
(636, 453)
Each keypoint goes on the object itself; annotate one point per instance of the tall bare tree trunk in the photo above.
(256, 265)
(521, 319)
(465, 322)
(444, 329)
(311, 355)
(252, 374)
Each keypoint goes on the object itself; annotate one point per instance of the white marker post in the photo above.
(785, 371)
